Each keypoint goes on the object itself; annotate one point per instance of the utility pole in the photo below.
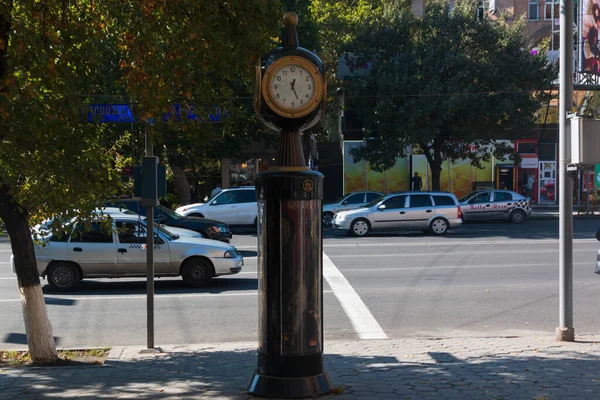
(149, 201)
(566, 331)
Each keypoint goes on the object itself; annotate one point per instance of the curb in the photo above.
(114, 356)
(557, 216)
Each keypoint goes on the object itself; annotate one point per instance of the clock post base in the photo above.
(289, 388)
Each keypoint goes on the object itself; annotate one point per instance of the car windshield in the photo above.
(467, 197)
(170, 213)
(170, 235)
(374, 202)
(339, 199)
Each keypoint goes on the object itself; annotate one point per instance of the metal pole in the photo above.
(565, 332)
(149, 260)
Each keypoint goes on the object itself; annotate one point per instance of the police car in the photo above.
(495, 205)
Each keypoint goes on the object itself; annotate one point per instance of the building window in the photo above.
(533, 10)
(551, 10)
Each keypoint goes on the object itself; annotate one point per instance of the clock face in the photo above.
(292, 86)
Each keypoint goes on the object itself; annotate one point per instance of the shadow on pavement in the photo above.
(216, 373)
(89, 287)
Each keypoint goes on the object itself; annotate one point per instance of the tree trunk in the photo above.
(435, 164)
(38, 328)
(436, 172)
(181, 184)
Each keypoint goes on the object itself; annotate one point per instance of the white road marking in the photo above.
(430, 267)
(454, 242)
(361, 318)
(444, 253)
(143, 296)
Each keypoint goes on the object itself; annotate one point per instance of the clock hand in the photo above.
(294, 90)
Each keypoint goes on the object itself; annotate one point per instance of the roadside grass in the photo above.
(20, 358)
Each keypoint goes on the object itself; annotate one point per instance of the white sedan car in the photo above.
(93, 251)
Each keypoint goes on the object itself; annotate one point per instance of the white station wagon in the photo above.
(93, 252)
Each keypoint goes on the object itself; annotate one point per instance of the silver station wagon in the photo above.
(434, 212)
(97, 252)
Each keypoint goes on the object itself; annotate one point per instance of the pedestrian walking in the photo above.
(216, 191)
(416, 183)
(529, 185)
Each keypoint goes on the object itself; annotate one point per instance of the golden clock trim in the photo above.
(312, 104)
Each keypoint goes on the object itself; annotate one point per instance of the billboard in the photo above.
(589, 38)
(458, 177)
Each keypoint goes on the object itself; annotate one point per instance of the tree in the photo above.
(446, 84)
(56, 56)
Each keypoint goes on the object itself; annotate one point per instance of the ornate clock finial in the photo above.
(290, 38)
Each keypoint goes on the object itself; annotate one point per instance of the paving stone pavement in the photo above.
(492, 368)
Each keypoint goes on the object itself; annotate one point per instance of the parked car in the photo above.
(434, 212)
(495, 204)
(93, 252)
(349, 201)
(209, 228)
(235, 206)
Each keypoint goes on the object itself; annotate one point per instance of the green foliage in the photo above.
(444, 82)
(60, 55)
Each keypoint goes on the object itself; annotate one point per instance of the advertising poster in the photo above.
(462, 175)
(358, 176)
(420, 166)
(457, 177)
(590, 51)
(376, 181)
(398, 176)
(355, 174)
(547, 180)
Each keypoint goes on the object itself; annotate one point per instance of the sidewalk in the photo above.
(552, 212)
(507, 368)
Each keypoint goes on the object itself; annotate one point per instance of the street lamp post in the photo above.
(566, 331)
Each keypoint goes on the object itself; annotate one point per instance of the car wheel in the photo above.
(439, 226)
(63, 276)
(197, 215)
(517, 216)
(327, 218)
(360, 227)
(197, 272)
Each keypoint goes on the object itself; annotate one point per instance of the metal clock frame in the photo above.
(304, 110)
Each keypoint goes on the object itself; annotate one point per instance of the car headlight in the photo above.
(219, 229)
(231, 254)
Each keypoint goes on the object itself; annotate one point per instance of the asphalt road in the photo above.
(484, 279)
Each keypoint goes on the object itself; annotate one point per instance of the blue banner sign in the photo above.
(108, 113)
(121, 113)
(195, 113)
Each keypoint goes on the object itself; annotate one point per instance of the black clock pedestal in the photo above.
(290, 284)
